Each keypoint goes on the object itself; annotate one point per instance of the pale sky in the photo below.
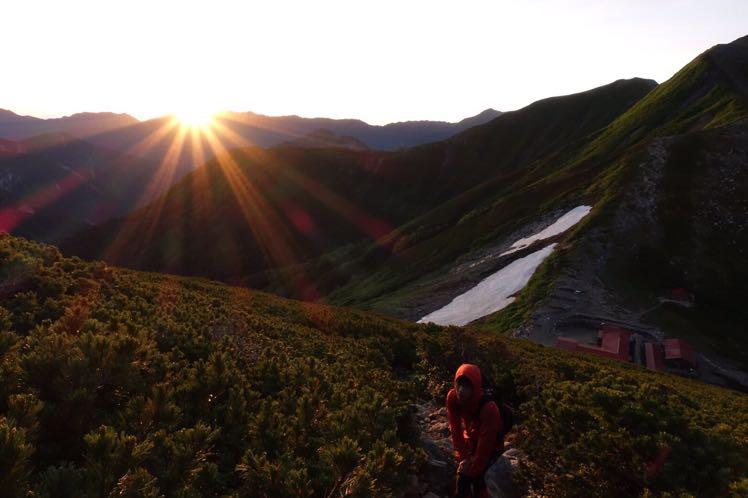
(379, 61)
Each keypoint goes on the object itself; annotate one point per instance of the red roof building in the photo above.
(613, 344)
(617, 342)
(681, 294)
(679, 351)
(566, 343)
(654, 356)
(611, 328)
(608, 328)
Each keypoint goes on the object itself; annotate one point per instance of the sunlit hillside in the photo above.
(136, 384)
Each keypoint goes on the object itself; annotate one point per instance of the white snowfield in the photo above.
(491, 294)
(494, 292)
(562, 224)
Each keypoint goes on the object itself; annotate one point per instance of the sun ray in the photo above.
(195, 117)
(227, 133)
(378, 230)
(369, 224)
(160, 179)
(268, 229)
(142, 146)
(271, 223)
(275, 126)
(12, 216)
(167, 173)
(163, 175)
(200, 182)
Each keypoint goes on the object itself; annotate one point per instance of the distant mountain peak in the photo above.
(741, 42)
(636, 80)
(487, 112)
(83, 124)
(482, 117)
(46, 140)
(323, 138)
(7, 115)
(731, 62)
(104, 114)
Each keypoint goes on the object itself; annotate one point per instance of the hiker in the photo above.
(476, 426)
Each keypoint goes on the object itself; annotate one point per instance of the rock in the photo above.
(513, 453)
(412, 489)
(437, 479)
(439, 476)
(441, 427)
(432, 448)
(499, 478)
(445, 444)
(438, 413)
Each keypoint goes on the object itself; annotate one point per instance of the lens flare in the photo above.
(195, 117)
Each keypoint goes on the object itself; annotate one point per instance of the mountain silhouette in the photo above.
(15, 127)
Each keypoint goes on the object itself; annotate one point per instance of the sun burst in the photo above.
(195, 118)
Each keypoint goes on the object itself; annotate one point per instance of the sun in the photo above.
(195, 118)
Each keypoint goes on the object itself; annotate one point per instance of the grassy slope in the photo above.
(701, 245)
(254, 209)
(140, 384)
(489, 181)
(200, 228)
(69, 183)
(598, 171)
(698, 247)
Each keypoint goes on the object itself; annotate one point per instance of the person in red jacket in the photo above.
(475, 426)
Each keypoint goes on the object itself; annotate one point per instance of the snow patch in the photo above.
(562, 224)
(492, 294)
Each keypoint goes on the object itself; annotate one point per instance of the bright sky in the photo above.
(377, 60)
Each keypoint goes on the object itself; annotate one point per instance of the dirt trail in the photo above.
(437, 481)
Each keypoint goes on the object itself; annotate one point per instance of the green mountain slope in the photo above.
(679, 221)
(671, 212)
(403, 233)
(325, 139)
(705, 94)
(252, 210)
(120, 382)
(235, 129)
(54, 185)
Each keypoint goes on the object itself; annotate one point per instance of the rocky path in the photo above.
(438, 479)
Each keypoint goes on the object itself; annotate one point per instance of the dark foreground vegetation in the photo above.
(121, 383)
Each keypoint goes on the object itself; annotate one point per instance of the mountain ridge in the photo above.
(389, 188)
(55, 184)
(17, 127)
(237, 129)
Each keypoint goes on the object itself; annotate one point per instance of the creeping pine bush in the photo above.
(119, 383)
(123, 383)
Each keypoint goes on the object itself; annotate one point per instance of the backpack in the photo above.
(505, 411)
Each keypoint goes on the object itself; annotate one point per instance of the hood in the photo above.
(472, 372)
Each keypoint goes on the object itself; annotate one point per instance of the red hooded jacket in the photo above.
(474, 431)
